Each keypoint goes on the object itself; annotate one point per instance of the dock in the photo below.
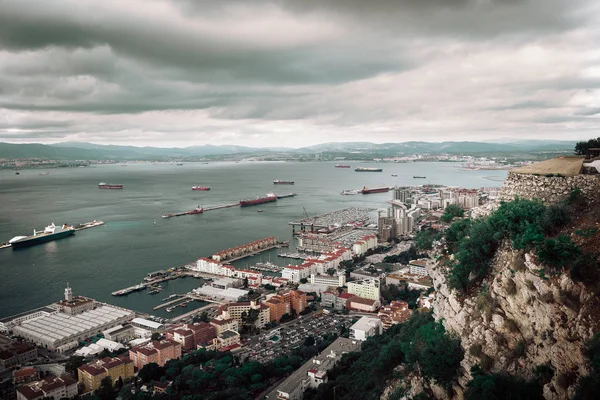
(353, 215)
(218, 207)
(295, 256)
(168, 303)
(193, 312)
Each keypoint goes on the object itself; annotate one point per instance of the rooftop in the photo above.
(365, 323)
(147, 322)
(23, 314)
(560, 165)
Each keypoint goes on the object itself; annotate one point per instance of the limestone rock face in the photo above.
(526, 319)
(549, 189)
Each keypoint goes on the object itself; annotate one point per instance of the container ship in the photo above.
(103, 185)
(50, 233)
(366, 190)
(269, 197)
(200, 188)
(342, 166)
(280, 182)
(368, 169)
(283, 196)
(197, 210)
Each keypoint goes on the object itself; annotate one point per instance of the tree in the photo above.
(105, 391)
(73, 363)
(151, 372)
(155, 336)
(581, 148)
(202, 317)
(331, 271)
(309, 341)
(452, 211)
(424, 240)
(303, 280)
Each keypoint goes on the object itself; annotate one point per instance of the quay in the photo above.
(210, 208)
(193, 312)
(295, 256)
(178, 300)
(352, 215)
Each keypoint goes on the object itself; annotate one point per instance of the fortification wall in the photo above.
(549, 189)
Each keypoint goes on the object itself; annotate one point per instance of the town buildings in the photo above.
(90, 375)
(224, 324)
(394, 313)
(366, 288)
(157, 351)
(238, 310)
(51, 387)
(314, 372)
(361, 304)
(290, 302)
(418, 267)
(13, 353)
(244, 249)
(365, 328)
(338, 280)
(73, 305)
(193, 336)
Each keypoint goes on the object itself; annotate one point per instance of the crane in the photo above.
(305, 213)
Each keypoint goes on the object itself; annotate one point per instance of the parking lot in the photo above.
(282, 340)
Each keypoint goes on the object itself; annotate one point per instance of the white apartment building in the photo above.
(367, 288)
(335, 280)
(365, 328)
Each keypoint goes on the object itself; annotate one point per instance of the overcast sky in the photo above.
(297, 72)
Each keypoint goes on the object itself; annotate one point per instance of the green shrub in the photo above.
(558, 252)
(586, 233)
(486, 361)
(555, 217)
(452, 211)
(500, 386)
(586, 269)
(511, 326)
(544, 373)
(475, 350)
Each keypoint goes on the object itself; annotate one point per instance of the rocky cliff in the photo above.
(519, 318)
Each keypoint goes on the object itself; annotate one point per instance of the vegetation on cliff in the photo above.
(530, 226)
(582, 147)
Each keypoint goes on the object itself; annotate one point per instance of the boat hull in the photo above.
(33, 240)
(375, 190)
(368, 170)
(248, 203)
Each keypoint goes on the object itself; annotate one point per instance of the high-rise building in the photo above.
(366, 288)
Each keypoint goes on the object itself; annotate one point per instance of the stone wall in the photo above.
(549, 189)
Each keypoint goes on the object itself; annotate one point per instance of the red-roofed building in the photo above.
(360, 304)
(91, 374)
(25, 375)
(156, 351)
(58, 388)
(394, 313)
(192, 336)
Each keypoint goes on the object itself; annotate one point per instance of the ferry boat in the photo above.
(368, 169)
(200, 188)
(50, 233)
(280, 182)
(103, 185)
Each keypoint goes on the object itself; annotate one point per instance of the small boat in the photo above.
(17, 173)
(259, 210)
(418, 177)
(196, 187)
(394, 175)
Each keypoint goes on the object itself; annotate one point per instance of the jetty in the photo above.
(179, 300)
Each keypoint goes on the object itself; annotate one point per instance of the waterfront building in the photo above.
(316, 243)
(365, 288)
(394, 313)
(147, 325)
(51, 387)
(157, 351)
(365, 328)
(314, 372)
(244, 249)
(120, 333)
(91, 374)
(226, 283)
(73, 305)
(235, 311)
(62, 331)
(8, 323)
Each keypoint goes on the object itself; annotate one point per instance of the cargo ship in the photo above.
(350, 191)
(366, 190)
(342, 166)
(200, 188)
(368, 169)
(103, 185)
(269, 197)
(280, 182)
(197, 210)
(50, 233)
(283, 196)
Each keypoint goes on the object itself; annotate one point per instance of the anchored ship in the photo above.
(365, 190)
(368, 169)
(350, 191)
(51, 232)
(103, 185)
(197, 210)
(419, 177)
(280, 182)
(269, 197)
(200, 188)
(342, 166)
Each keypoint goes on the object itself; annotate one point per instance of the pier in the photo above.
(339, 218)
(168, 303)
(295, 256)
(218, 207)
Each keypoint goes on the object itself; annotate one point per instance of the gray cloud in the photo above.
(204, 71)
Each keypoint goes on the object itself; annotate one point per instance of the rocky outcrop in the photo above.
(549, 189)
(520, 321)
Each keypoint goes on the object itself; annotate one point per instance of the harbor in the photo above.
(348, 216)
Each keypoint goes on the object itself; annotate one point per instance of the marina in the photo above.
(295, 256)
(267, 266)
(339, 218)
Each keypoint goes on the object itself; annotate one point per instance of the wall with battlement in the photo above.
(549, 189)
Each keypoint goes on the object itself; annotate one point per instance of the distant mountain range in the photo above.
(91, 151)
